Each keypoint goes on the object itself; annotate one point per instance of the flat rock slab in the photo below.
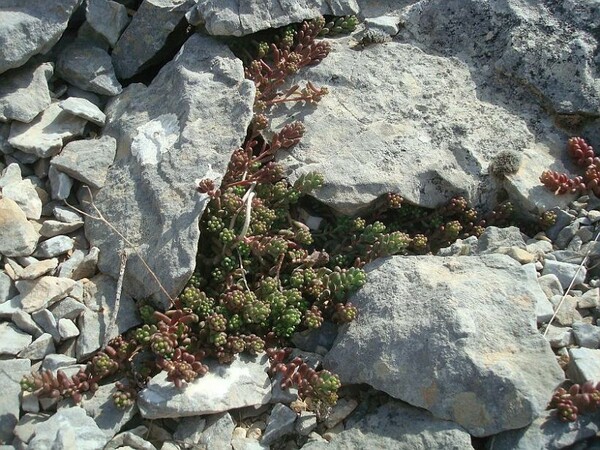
(68, 428)
(414, 125)
(238, 18)
(88, 160)
(24, 92)
(150, 193)
(17, 236)
(147, 34)
(44, 135)
(32, 27)
(88, 67)
(11, 372)
(396, 425)
(243, 383)
(453, 335)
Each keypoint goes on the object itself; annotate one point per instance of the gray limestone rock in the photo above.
(43, 292)
(32, 27)
(398, 426)
(12, 339)
(67, 308)
(44, 135)
(539, 47)
(189, 430)
(546, 433)
(429, 334)
(565, 272)
(25, 195)
(147, 34)
(493, 238)
(101, 407)
(85, 109)
(67, 329)
(584, 365)
(280, 422)
(24, 321)
(57, 361)
(51, 228)
(18, 237)
(100, 298)
(60, 183)
(88, 67)
(46, 320)
(586, 335)
(25, 429)
(66, 214)
(368, 134)
(218, 432)
(7, 287)
(238, 18)
(68, 428)
(242, 383)
(11, 174)
(54, 246)
(11, 372)
(149, 193)
(108, 18)
(129, 440)
(559, 337)
(39, 348)
(87, 161)
(38, 268)
(24, 92)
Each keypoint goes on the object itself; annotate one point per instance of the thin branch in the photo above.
(113, 317)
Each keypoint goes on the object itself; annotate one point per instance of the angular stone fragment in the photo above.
(17, 236)
(565, 272)
(87, 161)
(60, 183)
(38, 269)
(429, 334)
(68, 428)
(88, 67)
(39, 348)
(11, 174)
(218, 432)
(85, 109)
(24, 92)
(101, 407)
(108, 18)
(37, 294)
(146, 35)
(211, 89)
(51, 228)
(66, 214)
(25, 195)
(238, 18)
(46, 320)
(54, 246)
(24, 321)
(12, 340)
(31, 27)
(396, 425)
(584, 365)
(44, 135)
(11, 373)
(67, 329)
(100, 298)
(67, 308)
(281, 422)
(243, 383)
(547, 433)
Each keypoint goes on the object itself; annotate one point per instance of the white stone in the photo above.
(155, 138)
(84, 108)
(17, 236)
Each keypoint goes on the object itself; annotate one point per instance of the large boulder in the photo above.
(31, 27)
(182, 127)
(453, 335)
(414, 125)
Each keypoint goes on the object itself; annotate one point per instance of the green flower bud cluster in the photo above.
(216, 322)
(339, 25)
(344, 313)
(342, 282)
(256, 312)
(103, 365)
(254, 344)
(196, 300)
(308, 182)
(147, 314)
(313, 318)
(163, 345)
(287, 322)
(144, 334)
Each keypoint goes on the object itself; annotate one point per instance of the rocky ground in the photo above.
(133, 101)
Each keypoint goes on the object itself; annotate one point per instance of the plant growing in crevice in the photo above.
(584, 156)
(577, 400)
